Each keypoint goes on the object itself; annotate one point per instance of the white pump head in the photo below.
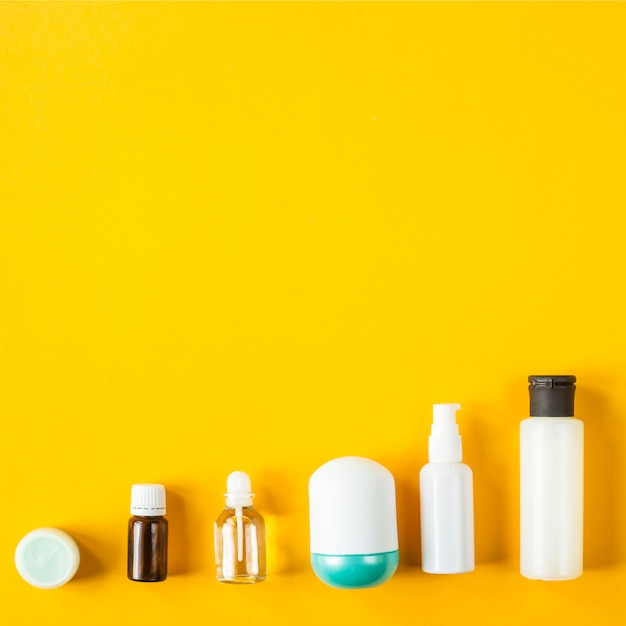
(239, 490)
(444, 443)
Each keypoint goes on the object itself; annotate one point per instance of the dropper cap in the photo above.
(444, 443)
(239, 490)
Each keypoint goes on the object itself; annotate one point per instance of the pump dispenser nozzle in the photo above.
(444, 443)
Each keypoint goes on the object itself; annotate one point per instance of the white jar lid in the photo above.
(352, 508)
(47, 558)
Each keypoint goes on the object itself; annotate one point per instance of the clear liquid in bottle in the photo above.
(240, 536)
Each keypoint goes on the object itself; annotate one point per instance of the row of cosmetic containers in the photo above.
(352, 509)
(354, 539)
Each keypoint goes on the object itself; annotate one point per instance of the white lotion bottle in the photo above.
(446, 499)
(551, 487)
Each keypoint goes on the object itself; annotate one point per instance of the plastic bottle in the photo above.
(354, 532)
(447, 501)
(240, 535)
(551, 489)
(147, 534)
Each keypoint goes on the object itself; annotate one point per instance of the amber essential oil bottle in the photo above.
(147, 534)
(240, 535)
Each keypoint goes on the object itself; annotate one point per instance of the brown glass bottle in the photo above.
(147, 534)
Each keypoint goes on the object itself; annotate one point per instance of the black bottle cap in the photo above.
(552, 396)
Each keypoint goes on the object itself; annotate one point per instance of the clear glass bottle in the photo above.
(147, 534)
(240, 535)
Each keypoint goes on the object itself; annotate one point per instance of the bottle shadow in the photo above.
(492, 483)
(89, 548)
(604, 479)
(277, 500)
(409, 527)
(179, 561)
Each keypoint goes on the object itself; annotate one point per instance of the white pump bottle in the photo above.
(446, 498)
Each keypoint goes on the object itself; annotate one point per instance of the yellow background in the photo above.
(260, 236)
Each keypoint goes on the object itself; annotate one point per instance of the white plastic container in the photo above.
(354, 532)
(47, 558)
(551, 489)
(446, 499)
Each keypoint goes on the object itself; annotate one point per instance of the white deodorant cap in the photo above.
(352, 507)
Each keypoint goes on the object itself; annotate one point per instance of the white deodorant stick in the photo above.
(354, 532)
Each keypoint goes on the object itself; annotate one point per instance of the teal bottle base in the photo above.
(355, 571)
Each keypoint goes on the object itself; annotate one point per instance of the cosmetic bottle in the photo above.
(354, 533)
(147, 534)
(240, 535)
(551, 489)
(47, 558)
(446, 499)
